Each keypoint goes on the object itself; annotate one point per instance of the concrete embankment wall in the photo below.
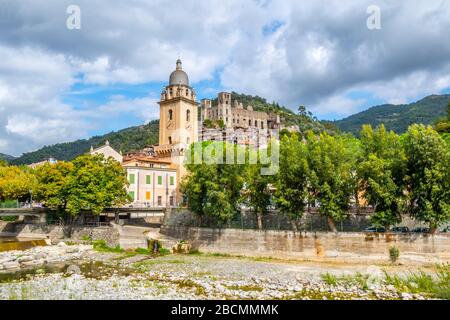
(57, 233)
(348, 246)
(274, 220)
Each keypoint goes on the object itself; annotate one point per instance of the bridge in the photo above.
(131, 212)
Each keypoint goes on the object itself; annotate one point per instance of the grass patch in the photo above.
(142, 251)
(164, 251)
(329, 279)
(245, 288)
(435, 285)
(189, 284)
(195, 252)
(86, 238)
(101, 246)
(358, 279)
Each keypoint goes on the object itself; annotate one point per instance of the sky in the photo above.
(59, 84)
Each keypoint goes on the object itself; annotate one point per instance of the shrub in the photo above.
(394, 254)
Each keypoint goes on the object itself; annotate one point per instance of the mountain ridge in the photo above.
(427, 110)
(6, 157)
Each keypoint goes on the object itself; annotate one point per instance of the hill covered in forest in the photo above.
(398, 117)
(126, 140)
(6, 157)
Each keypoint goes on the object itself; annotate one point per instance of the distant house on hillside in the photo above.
(41, 163)
(107, 151)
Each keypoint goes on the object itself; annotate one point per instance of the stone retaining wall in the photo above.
(315, 245)
(56, 233)
(274, 220)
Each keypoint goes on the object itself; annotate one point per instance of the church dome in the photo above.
(179, 76)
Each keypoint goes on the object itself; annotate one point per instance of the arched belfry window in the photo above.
(188, 115)
(170, 140)
(170, 114)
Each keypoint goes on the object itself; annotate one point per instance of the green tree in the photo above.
(257, 189)
(381, 174)
(87, 183)
(213, 189)
(330, 175)
(53, 184)
(16, 183)
(428, 175)
(291, 180)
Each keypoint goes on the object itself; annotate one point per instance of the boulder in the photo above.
(32, 263)
(25, 259)
(72, 249)
(182, 247)
(11, 265)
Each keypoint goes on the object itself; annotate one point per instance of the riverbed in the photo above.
(79, 272)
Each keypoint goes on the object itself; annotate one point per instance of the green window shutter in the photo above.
(160, 180)
(172, 182)
(131, 178)
(131, 193)
(149, 179)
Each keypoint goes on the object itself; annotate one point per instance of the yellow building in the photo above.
(152, 182)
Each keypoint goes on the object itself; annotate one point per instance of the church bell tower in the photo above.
(178, 111)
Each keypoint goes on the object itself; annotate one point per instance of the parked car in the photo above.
(400, 229)
(375, 229)
(421, 230)
(445, 228)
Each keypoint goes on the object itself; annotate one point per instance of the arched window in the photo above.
(170, 140)
(188, 115)
(188, 140)
(170, 114)
(249, 122)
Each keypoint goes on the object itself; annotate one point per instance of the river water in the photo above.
(8, 243)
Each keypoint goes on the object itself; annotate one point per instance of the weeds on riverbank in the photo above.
(102, 246)
(437, 285)
(359, 279)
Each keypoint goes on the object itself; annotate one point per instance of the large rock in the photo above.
(11, 265)
(72, 249)
(25, 259)
(32, 263)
